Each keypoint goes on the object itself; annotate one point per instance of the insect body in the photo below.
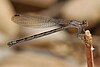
(43, 21)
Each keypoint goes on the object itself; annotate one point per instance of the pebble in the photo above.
(8, 29)
(31, 59)
(81, 10)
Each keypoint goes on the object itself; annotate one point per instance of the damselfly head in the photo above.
(85, 23)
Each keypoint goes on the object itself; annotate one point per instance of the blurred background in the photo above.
(61, 49)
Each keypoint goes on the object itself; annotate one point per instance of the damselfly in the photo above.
(43, 21)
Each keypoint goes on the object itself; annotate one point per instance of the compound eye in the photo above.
(85, 22)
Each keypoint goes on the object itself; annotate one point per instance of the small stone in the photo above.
(81, 10)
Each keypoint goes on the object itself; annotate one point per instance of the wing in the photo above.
(33, 21)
